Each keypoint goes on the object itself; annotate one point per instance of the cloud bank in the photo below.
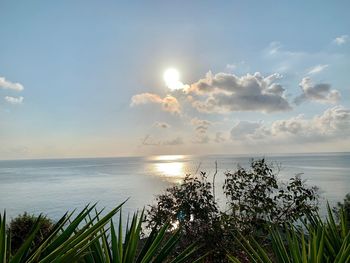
(223, 93)
(333, 123)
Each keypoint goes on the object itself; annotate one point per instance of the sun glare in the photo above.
(171, 169)
(172, 79)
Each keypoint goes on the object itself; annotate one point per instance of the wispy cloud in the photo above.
(219, 138)
(162, 125)
(5, 84)
(14, 100)
(175, 141)
(245, 129)
(290, 62)
(169, 103)
(341, 40)
(317, 69)
(200, 128)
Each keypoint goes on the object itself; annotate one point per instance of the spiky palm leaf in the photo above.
(324, 242)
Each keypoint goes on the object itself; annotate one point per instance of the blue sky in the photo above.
(85, 78)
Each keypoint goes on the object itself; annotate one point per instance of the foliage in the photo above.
(345, 206)
(256, 196)
(156, 248)
(323, 242)
(20, 227)
(86, 238)
(190, 205)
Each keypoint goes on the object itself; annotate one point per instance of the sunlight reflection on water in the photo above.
(53, 186)
(171, 167)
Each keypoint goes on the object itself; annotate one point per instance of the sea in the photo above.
(55, 186)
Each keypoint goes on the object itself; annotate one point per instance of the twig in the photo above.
(216, 171)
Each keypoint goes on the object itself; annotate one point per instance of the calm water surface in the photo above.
(55, 186)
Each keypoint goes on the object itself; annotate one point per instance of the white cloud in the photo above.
(201, 128)
(223, 92)
(321, 92)
(149, 141)
(333, 123)
(274, 47)
(175, 141)
(317, 69)
(219, 138)
(199, 122)
(169, 103)
(14, 100)
(341, 40)
(201, 139)
(5, 84)
(231, 67)
(245, 130)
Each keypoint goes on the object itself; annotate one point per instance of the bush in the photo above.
(256, 196)
(21, 226)
(345, 206)
(190, 205)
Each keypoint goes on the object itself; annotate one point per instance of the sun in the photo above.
(172, 79)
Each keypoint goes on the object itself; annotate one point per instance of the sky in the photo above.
(86, 78)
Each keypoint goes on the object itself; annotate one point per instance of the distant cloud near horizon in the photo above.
(341, 40)
(244, 129)
(223, 93)
(168, 103)
(176, 141)
(200, 130)
(148, 140)
(14, 100)
(321, 92)
(333, 123)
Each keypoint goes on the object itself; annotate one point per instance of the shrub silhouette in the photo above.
(21, 226)
(254, 196)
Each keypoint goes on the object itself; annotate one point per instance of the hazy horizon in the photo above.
(252, 155)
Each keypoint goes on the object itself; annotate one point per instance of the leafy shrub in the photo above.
(256, 196)
(21, 226)
(345, 206)
(190, 205)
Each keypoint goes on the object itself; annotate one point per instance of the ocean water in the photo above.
(55, 186)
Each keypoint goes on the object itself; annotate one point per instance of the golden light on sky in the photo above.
(172, 79)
